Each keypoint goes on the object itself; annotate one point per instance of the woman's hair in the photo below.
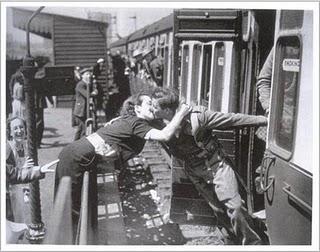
(9, 120)
(129, 104)
(167, 98)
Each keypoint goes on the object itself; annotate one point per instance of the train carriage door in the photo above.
(251, 147)
(287, 177)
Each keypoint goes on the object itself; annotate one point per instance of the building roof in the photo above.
(165, 23)
(42, 24)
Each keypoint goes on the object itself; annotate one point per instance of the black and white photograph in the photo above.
(186, 126)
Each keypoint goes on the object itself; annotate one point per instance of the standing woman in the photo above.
(19, 171)
(123, 138)
(16, 156)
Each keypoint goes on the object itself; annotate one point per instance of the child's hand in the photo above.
(48, 167)
(28, 163)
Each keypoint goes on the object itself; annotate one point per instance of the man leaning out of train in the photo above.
(207, 166)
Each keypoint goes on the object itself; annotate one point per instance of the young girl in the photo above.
(122, 138)
(18, 103)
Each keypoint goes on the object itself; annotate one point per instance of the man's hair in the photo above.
(129, 104)
(167, 98)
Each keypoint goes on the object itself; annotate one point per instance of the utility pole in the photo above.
(115, 25)
(135, 21)
(36, 230)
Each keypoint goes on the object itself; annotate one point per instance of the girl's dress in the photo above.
(18, 104)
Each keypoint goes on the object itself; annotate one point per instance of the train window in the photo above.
(290, 19)
(206, 71)
(287, 64)
(218, 75)
(166, 66)
(184, 71)
(195, 73)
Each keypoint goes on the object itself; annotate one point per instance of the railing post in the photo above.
(83, 220)
(36, 229)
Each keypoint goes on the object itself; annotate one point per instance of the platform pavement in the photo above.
(57, 134)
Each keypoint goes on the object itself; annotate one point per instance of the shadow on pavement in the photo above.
(53, 145)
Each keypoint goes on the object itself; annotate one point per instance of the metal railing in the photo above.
(87, 225)
(82, 233)
(60, 225)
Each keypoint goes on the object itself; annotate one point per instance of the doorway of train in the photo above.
(217, 56)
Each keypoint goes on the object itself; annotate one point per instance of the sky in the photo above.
(125, 24)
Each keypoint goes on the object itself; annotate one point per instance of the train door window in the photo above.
(184, 71)
(196, 56)
(206, 71)
(286, 79)
(166, 66)
(218, 76)
(291, 19)
(170, 64)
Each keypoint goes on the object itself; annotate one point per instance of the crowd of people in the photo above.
(156, 113)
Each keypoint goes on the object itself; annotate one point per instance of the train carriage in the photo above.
(214, 57)
(288, 168)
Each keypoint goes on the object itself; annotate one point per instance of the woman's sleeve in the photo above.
(17, 175)
(141, 128)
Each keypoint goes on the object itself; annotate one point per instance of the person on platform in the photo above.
(97, 71)
(153, 66)
(17, 95)
(20, 169)
(40, 99)
(82, 93)
(206, 164)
